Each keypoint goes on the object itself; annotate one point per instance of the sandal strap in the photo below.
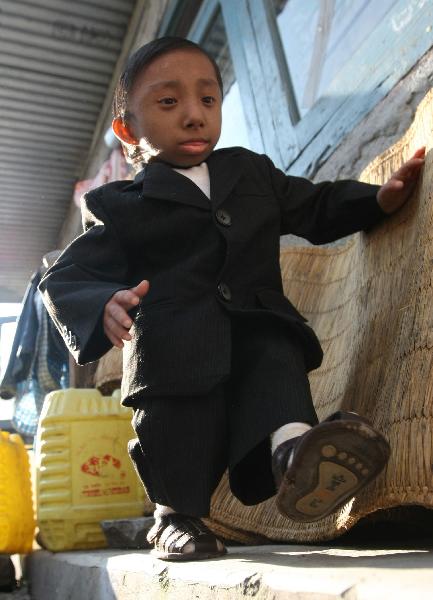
(173, 531)
(280, 459)
(342, 415)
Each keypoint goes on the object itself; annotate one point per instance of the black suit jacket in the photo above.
(205, 260)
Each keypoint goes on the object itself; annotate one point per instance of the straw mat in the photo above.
(370, 301)
(108, 375)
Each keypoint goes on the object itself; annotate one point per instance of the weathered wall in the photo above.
(381, 128)
(143, 28)
(385, 124)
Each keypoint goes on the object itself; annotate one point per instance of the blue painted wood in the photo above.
(385, 57)
(203, 20)
(255, 62)
(271, 68)
(167, 17)
(234, 31)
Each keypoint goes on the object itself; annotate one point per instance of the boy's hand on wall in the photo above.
(400, 186)
(117, 322)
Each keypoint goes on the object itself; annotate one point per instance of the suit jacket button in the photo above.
(223, 217)
(224, 292)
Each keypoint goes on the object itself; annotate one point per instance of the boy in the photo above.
(181, 267)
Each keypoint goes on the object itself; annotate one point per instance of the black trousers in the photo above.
(184, 444)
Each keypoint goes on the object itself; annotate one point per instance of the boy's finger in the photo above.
(409, 169)
(126, 298)
(420, 153)
(395, 184)
(116, 341)
(113, 328)
(119, 315)
(141, 289)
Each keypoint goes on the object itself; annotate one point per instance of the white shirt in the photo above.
(198, 175)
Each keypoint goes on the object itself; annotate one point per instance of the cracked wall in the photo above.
(379, 130)
(382, 127)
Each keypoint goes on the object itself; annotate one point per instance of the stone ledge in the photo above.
(261, 572)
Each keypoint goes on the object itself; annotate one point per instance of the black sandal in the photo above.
(172, 532)
(319, 471)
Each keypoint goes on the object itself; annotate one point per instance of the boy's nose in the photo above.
(193, 116)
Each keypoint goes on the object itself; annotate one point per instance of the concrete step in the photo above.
(282, 572)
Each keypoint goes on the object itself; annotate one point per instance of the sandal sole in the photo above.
(331, 464)
(179, 557)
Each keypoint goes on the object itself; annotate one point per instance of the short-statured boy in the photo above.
(181, 268)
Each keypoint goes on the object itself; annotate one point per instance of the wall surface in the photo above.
(385, 124)
(379, 130)
(143, 28)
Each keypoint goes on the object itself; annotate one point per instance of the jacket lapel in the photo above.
(224, 171)
(160, 181)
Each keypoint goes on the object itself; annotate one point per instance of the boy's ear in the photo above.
(123, 132)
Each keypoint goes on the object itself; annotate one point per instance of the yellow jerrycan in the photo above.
(83, 472)
(17, 524)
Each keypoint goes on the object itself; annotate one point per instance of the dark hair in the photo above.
(136, 63)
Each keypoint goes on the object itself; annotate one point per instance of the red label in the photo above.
(99, 492)
(98, 465)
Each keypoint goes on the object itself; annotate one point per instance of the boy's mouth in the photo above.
(195, 146)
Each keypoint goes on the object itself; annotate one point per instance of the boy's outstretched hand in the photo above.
(117, 322)
(400, 186)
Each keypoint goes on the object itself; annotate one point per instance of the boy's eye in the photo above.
(167, 101)
(208, 99)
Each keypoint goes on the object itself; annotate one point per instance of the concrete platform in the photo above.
(262, 572)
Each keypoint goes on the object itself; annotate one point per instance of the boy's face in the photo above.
(174, 109)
